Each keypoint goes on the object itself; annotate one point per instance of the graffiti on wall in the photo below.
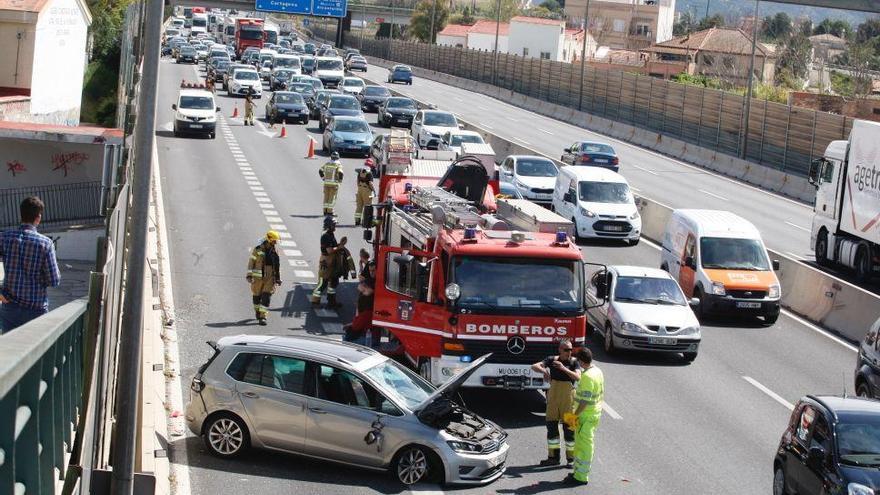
(15, 167)
(67, 161)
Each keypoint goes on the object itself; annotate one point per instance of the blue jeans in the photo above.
(13, 316)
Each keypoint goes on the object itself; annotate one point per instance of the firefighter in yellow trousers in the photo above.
(264, 274)
(562, 371)
(249, 109)
(588, 397)
(331, 174)
(364, 192)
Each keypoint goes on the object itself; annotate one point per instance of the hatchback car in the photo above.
(344, 403)
(352, 85)
(348, 135)
(590, 153)
(831, 445)
(400, 73)
(432, 124)
(397, 110)
(356, 63)
(452, 140)
(186, 54)
(244, 81)
(337, 105)
(372, 97)
(533, 176)
(644, 310)
(286, 106)
(867, 375)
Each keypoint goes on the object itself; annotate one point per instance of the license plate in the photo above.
(542, 196)
(195, 126)
(614, 228)
(748, 305)
(513, 371)
(601, 160)
(663, 340)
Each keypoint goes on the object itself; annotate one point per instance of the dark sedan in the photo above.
(591, 154)
(400, 73)
(398, 111)
(279, 79)
(320, 99)
(187, 54)
(372, 97)
(216, 69)
(339, 105)
(303, 88)
(286, 106)
(357, 63)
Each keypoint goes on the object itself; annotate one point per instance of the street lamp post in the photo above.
(431, 34)
(497, 32)
(584, 54)
(748, 102)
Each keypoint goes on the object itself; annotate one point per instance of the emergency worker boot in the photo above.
(552, 459)
(331, 302)
(262, 321)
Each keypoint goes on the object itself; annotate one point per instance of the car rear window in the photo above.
(597, 148)
(376, 91)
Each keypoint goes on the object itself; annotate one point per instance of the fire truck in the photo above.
(248, 32)
(455, 282)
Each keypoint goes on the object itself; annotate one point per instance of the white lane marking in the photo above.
(819, 330)
(652, 243)
(481, 107)
(245, 167)
(260, 194)
(270, 212)
(610, 410)
(292, 252)
(634, 189)
(257, 188)
(273, 219)
(303, 273)
(722, 198)
(280, 227)
(645, 170)
(426, 489)
(457, 98)
(265, 206)
(284, 235)
(796, 256)
(523, 141)
(265, 200)
(798, 226)
(288, 243)
(484, 126)
(300, 263)
(773, 395)
(545, 131)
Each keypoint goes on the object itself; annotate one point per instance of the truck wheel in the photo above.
(821, 248)
(863, 264)
(701, 308)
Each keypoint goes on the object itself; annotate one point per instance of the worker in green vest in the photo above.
(588, 397)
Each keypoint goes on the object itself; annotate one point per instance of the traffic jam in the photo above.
(476, 279)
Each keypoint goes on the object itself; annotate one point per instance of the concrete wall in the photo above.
(60, 55)
(537, 38)
(15, 50)
(42, 163)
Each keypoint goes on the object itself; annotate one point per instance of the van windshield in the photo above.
(723, 253)
(605, 192)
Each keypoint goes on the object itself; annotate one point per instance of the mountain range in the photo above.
(732, 10)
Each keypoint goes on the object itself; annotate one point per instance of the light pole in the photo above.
(748, 102)
(584, 53)
(364, 20)
(431, 34)
(497, 32)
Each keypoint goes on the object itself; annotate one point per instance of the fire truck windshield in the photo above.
(253, 33)
(519, 284)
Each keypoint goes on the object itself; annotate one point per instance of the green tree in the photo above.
(551, 5)
(868, 31)
(776, 27)
(509, 9)
(837, 27)
(426, 14)
(794, 58)
(716, 20)
(467, 17)
(102, 73)
(685, 24)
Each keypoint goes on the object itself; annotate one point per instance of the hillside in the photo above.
(734, 9)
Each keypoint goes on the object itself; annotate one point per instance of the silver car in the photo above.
(341, 402)
(645, 310)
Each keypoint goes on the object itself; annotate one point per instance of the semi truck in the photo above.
(846, 215)
(248, 32)
(455, 282)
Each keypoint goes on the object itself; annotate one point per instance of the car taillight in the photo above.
(585, 158)
(615, 161)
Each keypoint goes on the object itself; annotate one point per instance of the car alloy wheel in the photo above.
(412, 466)
(609, 340)
(863, 391)
(226, 437)
(779, 482)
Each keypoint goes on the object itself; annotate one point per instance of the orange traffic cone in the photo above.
(311, 153)
(283, 131)
(235, 112)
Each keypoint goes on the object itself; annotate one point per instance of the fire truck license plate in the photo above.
(513, 371)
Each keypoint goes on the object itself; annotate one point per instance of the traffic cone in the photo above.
(311, 153)
(235, 112)
(283, 131)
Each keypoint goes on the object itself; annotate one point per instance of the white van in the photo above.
(598, 202)
(290, 62)
(719, 258)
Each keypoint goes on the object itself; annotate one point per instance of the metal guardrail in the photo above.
(65, 203)
(41, 379)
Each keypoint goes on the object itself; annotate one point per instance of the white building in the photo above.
(453, 35)
(536, 37)
(625, 24)
(481, 36)
(43, 60)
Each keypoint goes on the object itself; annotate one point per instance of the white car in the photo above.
(533, 176)
(432, 124)
(452, 140)
(645, 310)
(330, 70)
(244, 81)
(599, 203)
(352, 85)
(195, 113)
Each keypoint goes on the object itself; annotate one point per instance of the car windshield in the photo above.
(597, 148)
(858, 442)
(725, 253)
(493, 283)
(536, 168)
(197, 102)
(605, 192)
(288, 98)
(648, 290)
(376, 91)
(266, 59)
(343, 102)
(287, 62)
(440, 119)
(316, 83)
(219, 53)
(309, 63)
(352, 126)
(353, 83)
(401, 103)
(400, 383)
(187, 50)
(250, 34)
(402, 69)
(247, 75)
(284, 75)
(333, 64)
(457, 140)
(221, 64)
(200, 22)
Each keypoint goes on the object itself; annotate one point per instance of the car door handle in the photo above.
(250, 395)
(317, 410)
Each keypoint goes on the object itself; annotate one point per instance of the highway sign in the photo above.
(328, 8)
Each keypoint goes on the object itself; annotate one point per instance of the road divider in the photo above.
(818, 297)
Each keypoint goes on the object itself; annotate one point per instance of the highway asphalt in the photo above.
(708, 427)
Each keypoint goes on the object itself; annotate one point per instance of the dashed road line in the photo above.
(545, 131)
(280, 227)
(299, 263)
(304, 273)
(288, 244)
(773, 395)
(272, 219)
(611, 412)
(271, 212)
(722, 198)
(798, 226)
(284, 235)
(292, 252)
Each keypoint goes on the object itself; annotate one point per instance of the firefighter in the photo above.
(249, 109)
(264, 274)
(562, 371)
(365, 191)
(588, 397)
(331, 173)
(328, 275)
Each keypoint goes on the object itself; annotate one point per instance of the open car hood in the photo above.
(448, 389)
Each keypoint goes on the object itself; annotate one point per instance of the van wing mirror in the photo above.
(776, 265)
(814, 175)
(174, 106)
(567, 197)
(690, 262)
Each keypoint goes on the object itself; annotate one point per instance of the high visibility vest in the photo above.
(330, 171)
(591, 391)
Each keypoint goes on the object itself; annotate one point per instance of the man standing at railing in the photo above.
(29, 268)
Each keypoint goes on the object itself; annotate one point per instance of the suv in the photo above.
(340, 402)
(831, 445)
(867, 376)
(195, 113)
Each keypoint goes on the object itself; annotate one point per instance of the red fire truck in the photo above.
(455, 282)
(248, 32)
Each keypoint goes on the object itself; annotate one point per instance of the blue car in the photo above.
(400, 73)
(346, 134)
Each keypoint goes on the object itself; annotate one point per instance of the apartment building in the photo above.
(625, 24)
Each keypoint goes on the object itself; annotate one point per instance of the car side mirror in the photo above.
(690, 262)
(694, 302)
(775, 265)
(567, 197)
(368, 235)
(602, 290)
(217, 109)
(174, 106)
(461, 126)
(815, 170)
(368, 218)
(816, 457)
